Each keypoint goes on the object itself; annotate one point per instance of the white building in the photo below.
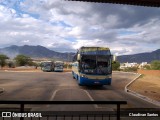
(127, 65)
(142, 64)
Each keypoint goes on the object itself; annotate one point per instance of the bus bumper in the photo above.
(86, 81)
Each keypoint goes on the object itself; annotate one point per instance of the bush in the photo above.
(11, 64)
(67, 66)
(147, 67)
(131, 69)
(115, 65)
(155, 65)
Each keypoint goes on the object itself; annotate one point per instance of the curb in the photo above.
(126, 87)
(139, 95)
(125, 72)
(1, 90)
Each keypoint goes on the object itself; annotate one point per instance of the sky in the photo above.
(65, 26)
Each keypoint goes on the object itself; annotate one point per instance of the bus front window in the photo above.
(96, 65)
(103, 65)
(88, 64)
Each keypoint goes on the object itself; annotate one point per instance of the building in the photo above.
(128, 65)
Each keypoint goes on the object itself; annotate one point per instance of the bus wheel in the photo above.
(73, 75)
(99, 86)
(79, 82)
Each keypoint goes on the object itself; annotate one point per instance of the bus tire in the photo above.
(79, 83)
(99, 86)
(73, 75)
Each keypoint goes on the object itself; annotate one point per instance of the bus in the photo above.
(92, 66)
(47, 66)
(58, 66)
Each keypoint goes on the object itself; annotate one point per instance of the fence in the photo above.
(71, 115)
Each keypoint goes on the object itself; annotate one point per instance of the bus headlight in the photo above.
(84, 76)
(109, 77)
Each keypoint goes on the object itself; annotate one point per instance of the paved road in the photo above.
(61, 86)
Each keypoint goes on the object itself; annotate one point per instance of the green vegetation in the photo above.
(147, 67)
(3, 60)
(115, 65)
(155, 65)
(69, 66)
(131, 69)
(22, 60)
(11, 64)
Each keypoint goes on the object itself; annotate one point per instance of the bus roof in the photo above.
(59, 62)
(46, 61)
(95, 48)
(94, 51)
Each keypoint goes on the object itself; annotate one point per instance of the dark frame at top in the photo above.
(149, 3)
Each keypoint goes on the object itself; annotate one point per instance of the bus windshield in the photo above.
(99, 64)
(57, 64)
(45, 64)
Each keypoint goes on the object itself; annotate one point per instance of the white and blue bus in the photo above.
(47, 66)
(58, 66)
(92, 66)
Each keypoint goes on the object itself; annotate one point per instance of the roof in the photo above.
(149, 3)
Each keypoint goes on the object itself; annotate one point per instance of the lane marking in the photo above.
(1, 91)
(87, 93)
(90, 97)
(55, 92)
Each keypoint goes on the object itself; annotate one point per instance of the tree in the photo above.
(22, 60)
(115, 65)
(11, 64)
(155, 65)
(3, 60)
(147, 67)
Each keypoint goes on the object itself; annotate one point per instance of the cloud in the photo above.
(66, 25)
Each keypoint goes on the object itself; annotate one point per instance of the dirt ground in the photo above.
(147, 85)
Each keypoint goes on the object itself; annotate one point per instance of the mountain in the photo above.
(34, 52)
(42, 52)
(141, 57)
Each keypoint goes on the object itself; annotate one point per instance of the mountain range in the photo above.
(42, 52)
(140, 57)
(35, 52)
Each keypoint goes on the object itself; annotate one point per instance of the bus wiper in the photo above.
(101, 71)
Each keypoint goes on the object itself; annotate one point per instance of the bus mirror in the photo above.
(114, 58)
(78, 57)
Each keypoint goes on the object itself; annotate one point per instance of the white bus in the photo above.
(47, 66)
(92, 66)
(58, 66)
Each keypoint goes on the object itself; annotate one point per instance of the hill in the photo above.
(34, 52)
(42, 52)
(141, 57)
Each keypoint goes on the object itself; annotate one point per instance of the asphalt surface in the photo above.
(60, 86)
